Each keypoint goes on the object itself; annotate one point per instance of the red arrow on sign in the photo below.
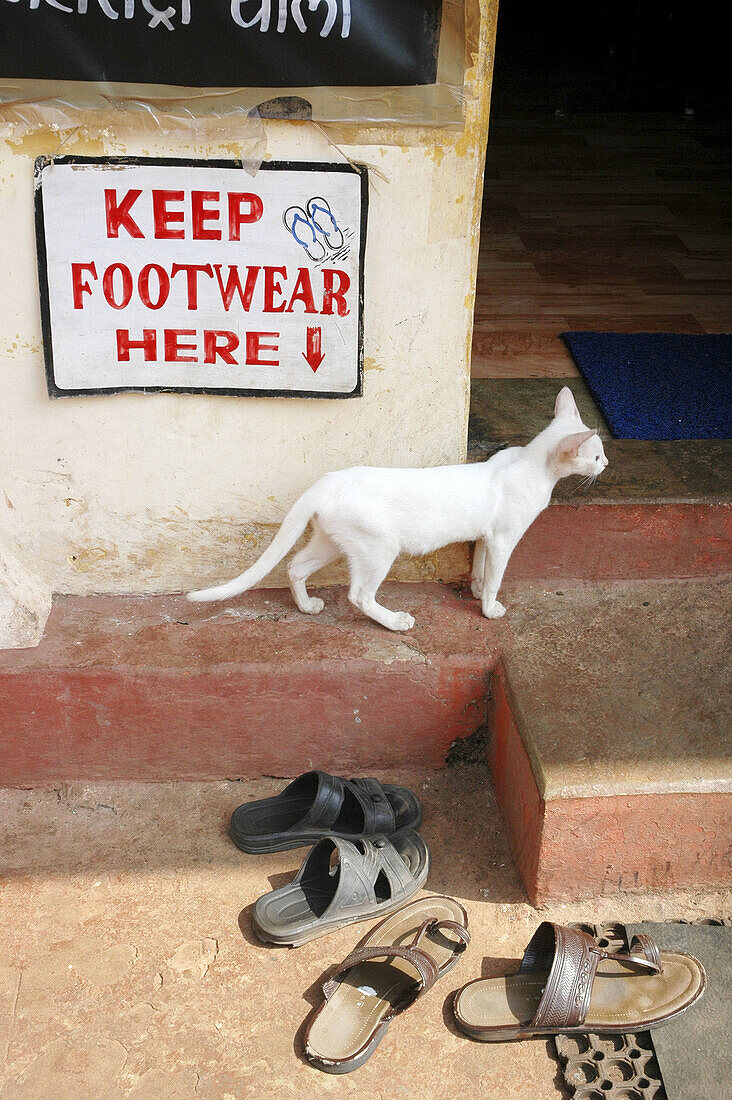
(314, 356)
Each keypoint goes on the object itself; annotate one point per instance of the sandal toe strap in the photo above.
(568, 959)
(643, 953)
(436, 925)
(648, 946)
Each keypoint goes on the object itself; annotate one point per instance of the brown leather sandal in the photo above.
(567, 984)
(397, 962)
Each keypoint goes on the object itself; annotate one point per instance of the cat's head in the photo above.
(579, 449)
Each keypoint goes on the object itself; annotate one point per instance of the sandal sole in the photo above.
(548, 1033)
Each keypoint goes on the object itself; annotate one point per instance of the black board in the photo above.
(367, 42)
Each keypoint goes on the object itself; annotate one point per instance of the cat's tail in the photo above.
(292, 527)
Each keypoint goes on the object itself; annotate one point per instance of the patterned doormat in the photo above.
(658, 385)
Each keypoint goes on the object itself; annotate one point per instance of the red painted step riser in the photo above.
(60, 725)
(568, 848)
(605, 542)
(522, 807)
(622, 843)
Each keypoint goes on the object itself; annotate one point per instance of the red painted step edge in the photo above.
(605, 542)
(568, 848)
(154, 688)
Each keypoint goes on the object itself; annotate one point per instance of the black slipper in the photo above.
(317, 805)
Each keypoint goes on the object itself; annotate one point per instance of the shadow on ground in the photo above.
(123, 827)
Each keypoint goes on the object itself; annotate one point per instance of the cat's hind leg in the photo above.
(319, 552)
(476, 584)
(369, 566)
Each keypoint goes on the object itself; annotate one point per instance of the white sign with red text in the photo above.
(197, 277)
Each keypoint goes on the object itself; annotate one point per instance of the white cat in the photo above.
(370, 515)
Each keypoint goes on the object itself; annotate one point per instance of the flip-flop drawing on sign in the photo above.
(304, 232)
(322, 218)
(316, 230)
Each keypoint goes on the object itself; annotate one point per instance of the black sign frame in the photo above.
(54, 391)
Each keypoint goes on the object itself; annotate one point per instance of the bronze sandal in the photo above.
(398, 961)
(567, 984)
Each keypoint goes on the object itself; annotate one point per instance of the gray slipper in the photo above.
(342, 882)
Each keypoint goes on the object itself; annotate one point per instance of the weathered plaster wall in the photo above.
(157, 493)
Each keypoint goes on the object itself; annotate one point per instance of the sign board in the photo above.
(192, 276)
(222, 43)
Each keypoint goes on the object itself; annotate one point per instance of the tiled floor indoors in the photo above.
(598, 221)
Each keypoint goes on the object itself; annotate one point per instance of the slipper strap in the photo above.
(316, 206)
(326, 804)
(569, 958)
(422, 962)
(377, 809)
(378, 814)
(298, 219)
(360, 864)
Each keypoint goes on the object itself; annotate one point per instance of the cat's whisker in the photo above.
(582, 484)
(586, 483)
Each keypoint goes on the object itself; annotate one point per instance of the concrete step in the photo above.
(156, 687)
(608, 711)
(610, 747)
(659, 511)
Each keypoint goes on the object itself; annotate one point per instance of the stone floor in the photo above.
(510, 411)
(129, 968)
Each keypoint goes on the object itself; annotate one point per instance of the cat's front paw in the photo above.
(402, 621)
(312, 606)
(493, 610)
(476, 588)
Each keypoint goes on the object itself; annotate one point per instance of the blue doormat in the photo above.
(658, 385)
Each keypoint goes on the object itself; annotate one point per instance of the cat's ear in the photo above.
(565, 405)
(570, 445)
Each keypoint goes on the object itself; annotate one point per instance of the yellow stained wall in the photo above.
(133, 493)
